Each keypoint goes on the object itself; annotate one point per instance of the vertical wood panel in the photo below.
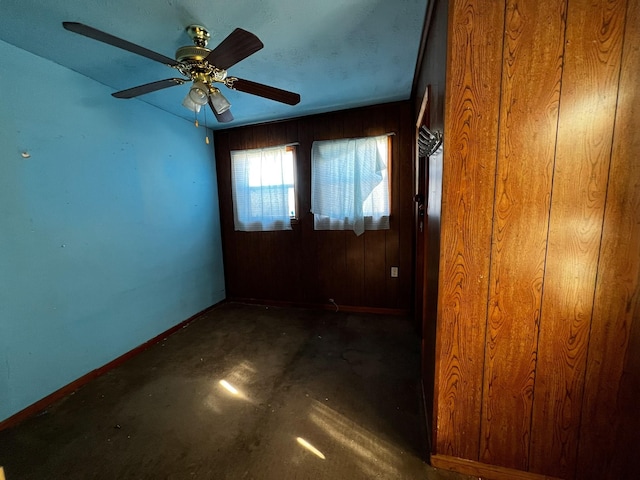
(528, 119)
(354, 265)
(470, 144)
(331, 266)
(403, 236)
(375, 269)
(612, 383)
(585, 130)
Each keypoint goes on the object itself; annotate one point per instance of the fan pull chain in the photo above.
(206, 131)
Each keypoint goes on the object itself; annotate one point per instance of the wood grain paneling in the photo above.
(532, 61)
(375, 268)
(470, 144)
(585, 131)
(560, 377)
(609, 443)
(307, 267)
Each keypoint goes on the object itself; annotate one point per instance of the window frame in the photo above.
(292, 147)
(368, 219)
(288, 147)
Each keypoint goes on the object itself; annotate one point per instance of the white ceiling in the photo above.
(335, 53)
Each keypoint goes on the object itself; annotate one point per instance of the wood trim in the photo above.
(43, 403)
(421, 114)
(321, 306)
(487, 472)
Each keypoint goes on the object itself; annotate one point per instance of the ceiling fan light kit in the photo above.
(217, 100)
(190, 105)
(199, 93)
(202, 66)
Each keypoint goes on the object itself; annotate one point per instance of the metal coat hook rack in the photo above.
(428, 141)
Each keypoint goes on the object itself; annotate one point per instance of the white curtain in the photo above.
(263, 183)
(349, 184)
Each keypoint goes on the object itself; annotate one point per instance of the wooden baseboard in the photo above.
(43, 403)
(483, 470)
(324, 306)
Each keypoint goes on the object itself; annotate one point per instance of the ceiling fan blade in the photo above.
(224, 117)
(265, 91)
(148, 88)
(237, 46)
(91, 32)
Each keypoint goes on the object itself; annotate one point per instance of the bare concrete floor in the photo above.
(243, 392)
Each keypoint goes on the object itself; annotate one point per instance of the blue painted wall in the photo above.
(109, 231)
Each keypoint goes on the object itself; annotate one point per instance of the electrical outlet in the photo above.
(394, 272)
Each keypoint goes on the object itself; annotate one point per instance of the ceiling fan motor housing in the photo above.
(198, 51)
(191, 53)
(193, 58)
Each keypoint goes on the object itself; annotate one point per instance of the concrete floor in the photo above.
(318, 395)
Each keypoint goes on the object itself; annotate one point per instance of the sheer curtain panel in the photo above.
(350, 184)
(262, 188)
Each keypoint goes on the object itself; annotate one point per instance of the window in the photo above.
(350, 184)
(263, 188)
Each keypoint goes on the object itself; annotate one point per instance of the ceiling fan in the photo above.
(202, 66)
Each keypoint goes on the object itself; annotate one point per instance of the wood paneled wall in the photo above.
(430, 88)
(307, 267)
(538, 367)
